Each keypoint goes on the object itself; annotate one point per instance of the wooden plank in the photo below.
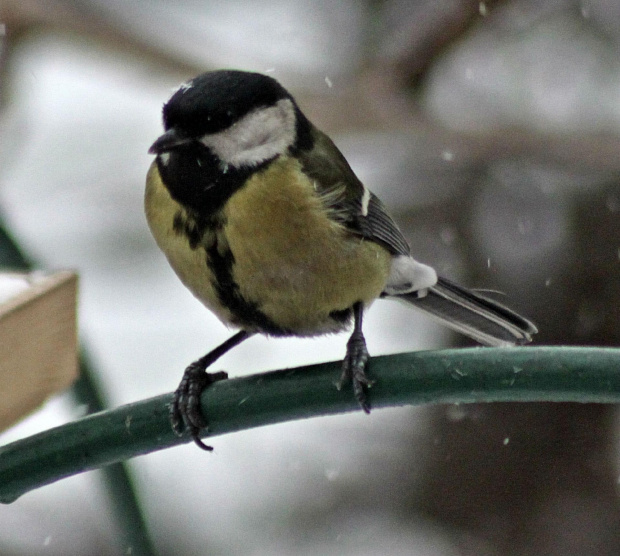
(38, 343)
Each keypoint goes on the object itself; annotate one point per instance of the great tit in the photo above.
(263, 219)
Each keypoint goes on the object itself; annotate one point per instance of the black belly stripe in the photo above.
(246, 313)
(183, 226)
(342, 316)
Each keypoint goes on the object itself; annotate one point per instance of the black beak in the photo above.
(168, 141)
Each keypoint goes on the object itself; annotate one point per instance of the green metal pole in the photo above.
(542, 374)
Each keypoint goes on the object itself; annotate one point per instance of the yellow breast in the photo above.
(290, 257)
(189, 264)
(293, 262)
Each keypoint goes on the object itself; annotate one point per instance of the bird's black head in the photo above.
(215, 100)
(244, 118)
(220, 128)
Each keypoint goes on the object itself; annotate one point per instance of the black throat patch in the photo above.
(196, 179)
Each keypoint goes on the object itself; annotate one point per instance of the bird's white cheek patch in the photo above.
(408, 275)
(258, 136)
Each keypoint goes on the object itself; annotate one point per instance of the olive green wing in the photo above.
(347, 199)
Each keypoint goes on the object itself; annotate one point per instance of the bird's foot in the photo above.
(185, 410)
(353, 368)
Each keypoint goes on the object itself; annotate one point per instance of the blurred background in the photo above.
(490, 129)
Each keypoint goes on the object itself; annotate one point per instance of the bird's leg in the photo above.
(185, 407)
(355, 360)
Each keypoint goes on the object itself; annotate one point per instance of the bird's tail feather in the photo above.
(482, 319)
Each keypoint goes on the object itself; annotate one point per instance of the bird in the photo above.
(264, 221)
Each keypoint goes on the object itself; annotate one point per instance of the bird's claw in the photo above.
(185, 410)
(353, 368)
